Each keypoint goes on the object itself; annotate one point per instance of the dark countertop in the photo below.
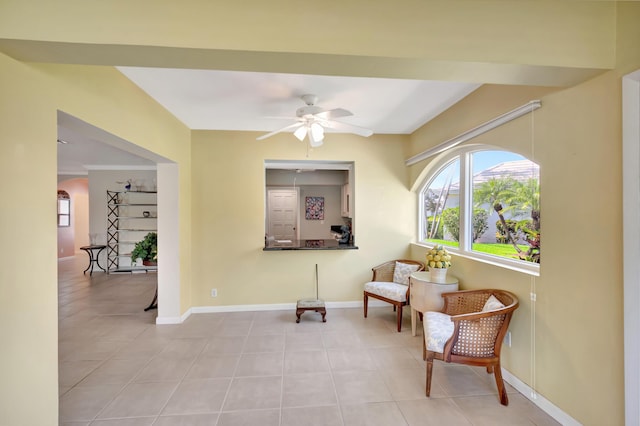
(277, 245)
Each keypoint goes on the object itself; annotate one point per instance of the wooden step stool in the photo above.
(317, 305)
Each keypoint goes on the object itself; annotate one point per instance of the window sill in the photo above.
(513, 265)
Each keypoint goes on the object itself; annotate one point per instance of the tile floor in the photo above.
(116, 367)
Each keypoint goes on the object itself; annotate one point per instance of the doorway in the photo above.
(91, 147)
(282, 214)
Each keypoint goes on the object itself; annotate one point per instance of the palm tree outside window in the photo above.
(494, 213)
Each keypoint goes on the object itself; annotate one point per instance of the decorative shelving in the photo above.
(130, 216)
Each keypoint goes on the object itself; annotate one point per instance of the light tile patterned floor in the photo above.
(253, 368)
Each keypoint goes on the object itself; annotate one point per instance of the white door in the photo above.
(282, 212)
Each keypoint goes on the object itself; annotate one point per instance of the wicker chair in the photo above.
(383, 287)
(474, 338)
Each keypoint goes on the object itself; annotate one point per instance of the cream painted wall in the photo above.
(581, 34)
(28, 295)
(32, 94)
(79, 229)
(438, 33)
(228, 212)
(579, 303)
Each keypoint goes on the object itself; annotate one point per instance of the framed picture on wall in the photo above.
(314, 208)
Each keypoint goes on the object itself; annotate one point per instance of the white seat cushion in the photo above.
(393, 291)
(438, 328)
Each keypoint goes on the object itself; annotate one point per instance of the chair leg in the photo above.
(366, 304)
(424, 347)
(429, 372)
(502, 391)
(399, 318)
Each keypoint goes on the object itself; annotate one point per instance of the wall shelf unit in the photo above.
(130, 216)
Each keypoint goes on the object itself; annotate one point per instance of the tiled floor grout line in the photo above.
(179, 381)
(333, 382)
(233, 375)
(378, 343)
(124, 386)
(284, 357)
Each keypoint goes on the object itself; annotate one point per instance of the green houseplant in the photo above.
(146, 249)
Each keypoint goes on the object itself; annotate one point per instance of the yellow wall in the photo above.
(478, 41)
(31, 96)
(579, 310)
(578, 313)
(581, 32)
(228, 214)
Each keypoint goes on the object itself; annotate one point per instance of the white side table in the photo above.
(425, 295)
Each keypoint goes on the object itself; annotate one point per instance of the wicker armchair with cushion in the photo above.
(390, 283)
(469, 330)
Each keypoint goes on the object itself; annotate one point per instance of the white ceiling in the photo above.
(251, 101)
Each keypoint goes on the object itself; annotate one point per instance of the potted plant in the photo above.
(147, 250)
(438, 261)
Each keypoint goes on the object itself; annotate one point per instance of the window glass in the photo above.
(441, 206)
(505, 199)
(484, 203)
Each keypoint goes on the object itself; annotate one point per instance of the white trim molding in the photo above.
(630, 235)
(538, 400)
(476, 131)
(278, 307)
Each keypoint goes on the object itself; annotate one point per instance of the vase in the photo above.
(438, 275)
(149, 263)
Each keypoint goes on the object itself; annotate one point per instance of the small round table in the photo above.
(93, 251)
(425, 294)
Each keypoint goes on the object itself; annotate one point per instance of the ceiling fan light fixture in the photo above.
(300, 133)
(316, 134)
(311, 121)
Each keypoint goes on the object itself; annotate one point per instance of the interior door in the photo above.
(282, 213)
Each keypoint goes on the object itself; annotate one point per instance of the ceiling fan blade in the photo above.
(284, 129)
(333, 113)
(348, 128)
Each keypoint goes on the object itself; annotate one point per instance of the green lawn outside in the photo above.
(503, 250)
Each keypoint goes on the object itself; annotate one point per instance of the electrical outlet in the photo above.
(214, 292)
(533, 297)
(507, 339)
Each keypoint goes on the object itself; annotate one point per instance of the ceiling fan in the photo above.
(311, 120)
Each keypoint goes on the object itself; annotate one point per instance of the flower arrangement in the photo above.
(438, 257)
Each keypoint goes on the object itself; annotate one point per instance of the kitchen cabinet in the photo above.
(346, 208)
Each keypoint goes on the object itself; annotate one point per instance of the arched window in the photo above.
(484, 203)
(64, 209)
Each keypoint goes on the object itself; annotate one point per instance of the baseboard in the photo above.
(171, 320)
(540, 401)
(242, 308)
(278, 307)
